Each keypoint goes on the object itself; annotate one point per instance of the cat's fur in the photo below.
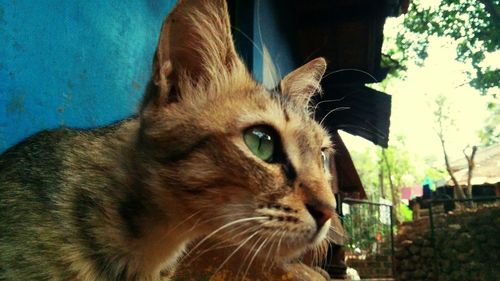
(122, 202)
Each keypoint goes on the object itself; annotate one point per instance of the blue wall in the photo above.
(86, 63)
(73, 63)
(268, 36)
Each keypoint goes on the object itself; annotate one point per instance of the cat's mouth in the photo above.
(321, 233)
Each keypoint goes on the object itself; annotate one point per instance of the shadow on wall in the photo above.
(73, 63)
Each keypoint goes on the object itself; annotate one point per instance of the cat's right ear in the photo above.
(195, 45)
(302, 83)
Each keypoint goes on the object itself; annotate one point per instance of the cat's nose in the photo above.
(320, 212)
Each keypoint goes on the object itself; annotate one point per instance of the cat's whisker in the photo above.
(205, 221)
(325, 253)
(249, 252)
(253, 258)
(197, 223)
(222, 228)
(326, 101)
(249, 39)
(219, 243)
(319, 249)
(351, 69)
(270, 248)
(314, 251)
(278, 248)
(234, 252)
(334, 110)
(339, 233)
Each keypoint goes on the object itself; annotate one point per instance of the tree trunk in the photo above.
(470, 168)
(459, 193)
(381, 180)
(394, 194)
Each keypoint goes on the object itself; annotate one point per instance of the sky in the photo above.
(413, 103)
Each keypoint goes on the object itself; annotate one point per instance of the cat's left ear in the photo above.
(301, 84)
(195, 46)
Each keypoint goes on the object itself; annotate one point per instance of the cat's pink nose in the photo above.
(320, 213)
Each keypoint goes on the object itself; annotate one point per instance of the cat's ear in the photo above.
(195, 45)
(301, 84)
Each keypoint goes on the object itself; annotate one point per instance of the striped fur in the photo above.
(122, 202)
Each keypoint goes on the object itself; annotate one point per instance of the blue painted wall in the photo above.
(86, 63)
(73, 63)
(268, 37)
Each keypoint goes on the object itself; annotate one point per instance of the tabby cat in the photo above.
(211, 153)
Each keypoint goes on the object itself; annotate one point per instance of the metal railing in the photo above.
(365, 222)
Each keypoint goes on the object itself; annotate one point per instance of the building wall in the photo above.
(272, 57)
(73, 63)
(466, 247)
(86, 63)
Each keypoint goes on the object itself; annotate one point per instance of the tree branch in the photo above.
(470, 168)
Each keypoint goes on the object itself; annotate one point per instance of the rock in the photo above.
(445, 265)
(419, 242)
(406, 243)
(455, 226)
(427, 252)
(414, 249)
(480, 237)
(419, 273)
(407, 265)
(401, 254)
(462, 257)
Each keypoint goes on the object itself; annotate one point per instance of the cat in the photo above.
(211, 154)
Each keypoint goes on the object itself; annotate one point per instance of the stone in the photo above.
(480, 237)
(401, 254)
(414, 249)
(419, 273)
(445, 265)
(462, 257)
(406, 243)
(427, 252)
(408, 265)
(419, 242)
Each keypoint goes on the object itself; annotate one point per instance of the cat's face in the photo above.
(250, 164)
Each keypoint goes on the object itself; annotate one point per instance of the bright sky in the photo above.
(413, 102)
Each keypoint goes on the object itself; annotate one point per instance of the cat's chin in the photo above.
(297, 247)
(321, 234)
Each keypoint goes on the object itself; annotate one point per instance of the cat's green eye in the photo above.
(261, 142)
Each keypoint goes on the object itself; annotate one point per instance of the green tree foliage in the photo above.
(375, 170)
(367, 165)
(490, 134)
(473, 24)
(400, 164)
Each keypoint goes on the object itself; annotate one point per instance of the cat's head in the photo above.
(250, 164)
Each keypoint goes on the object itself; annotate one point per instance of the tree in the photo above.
(473, 24)
(384, 172)
(444, 122)
(490, 134)
(398, 170)
(470, 167)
